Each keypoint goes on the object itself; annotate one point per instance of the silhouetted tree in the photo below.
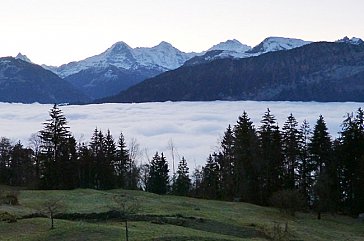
(272, 156)
(158, 180)
(182, 184)
(305, 168)
(321, 154)
(54, 134)
(247, 165)
(226, 165)
(291, 137)
(210, 178)
(122, 162)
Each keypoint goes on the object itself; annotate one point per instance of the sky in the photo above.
(55, 32)
(194, 128)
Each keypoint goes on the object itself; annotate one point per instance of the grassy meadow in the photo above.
(163, 218)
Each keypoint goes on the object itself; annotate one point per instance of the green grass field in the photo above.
(167, 218)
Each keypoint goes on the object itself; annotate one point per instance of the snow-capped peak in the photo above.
(164, 44)
(161, 57)
(23, 57)
(118, 47)
(353, 40)
(231, 45)
(272, 44)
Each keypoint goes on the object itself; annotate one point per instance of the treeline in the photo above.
(55, 160)
(253, 164)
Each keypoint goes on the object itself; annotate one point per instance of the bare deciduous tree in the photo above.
(127, 205)
(51, 207)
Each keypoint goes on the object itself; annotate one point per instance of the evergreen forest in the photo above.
(265, 165)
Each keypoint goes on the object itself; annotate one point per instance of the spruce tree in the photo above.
(68, 163)
(109, 161)
(5, 158)
(291, 137)
(21, 169)
(226, 165)
(351, 165)
(210, 178)
(54, 134)
(97, 146)
(305, 166)
(158, 180)
(247, 164)
(182, 184)
(86, 166)
(122, 162)
(321, 155)
(272, 156)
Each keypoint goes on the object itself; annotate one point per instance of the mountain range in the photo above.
(121, 67)
(319, 71)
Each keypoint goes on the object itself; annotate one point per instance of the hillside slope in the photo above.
(86, 217)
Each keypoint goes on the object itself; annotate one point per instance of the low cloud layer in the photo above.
(195, 128)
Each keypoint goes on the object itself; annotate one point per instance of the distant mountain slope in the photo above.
(316, 72)
(105, 81)
(234, 49)
(24, 82)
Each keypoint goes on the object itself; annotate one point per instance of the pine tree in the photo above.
(68, 163)
(210, 178)
(122, 162)
(321, 155)
(247, 164)
(272, 156)
(226, 165)
(97, 146)
(291, 137)
(182, 184)
(54, 134)
(86, 166)
(351, 166)
(109, 161)
(5, 158)
(21, 169)
(197, 176)
(305, 166)
(158, 180)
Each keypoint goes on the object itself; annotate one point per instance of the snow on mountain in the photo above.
(231, 45)
(353, 40)
(162, 57)
(23, 57)
(235, 49)
(272, 44)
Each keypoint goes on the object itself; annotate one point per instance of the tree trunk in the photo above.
(126, 230)
(52, 222)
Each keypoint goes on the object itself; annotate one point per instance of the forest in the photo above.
(293, 167)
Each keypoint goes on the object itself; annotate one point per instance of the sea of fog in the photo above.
(194, 128)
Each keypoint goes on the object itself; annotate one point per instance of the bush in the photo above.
(7, 217)
(288, 201)
(9, 197)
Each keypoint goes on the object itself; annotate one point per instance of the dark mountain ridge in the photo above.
(320, 71)
(24, 82)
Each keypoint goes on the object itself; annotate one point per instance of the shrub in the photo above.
(9, 197)
(7, 217)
